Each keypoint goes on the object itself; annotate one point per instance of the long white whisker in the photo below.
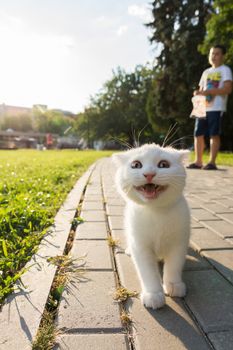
(171, 175)
(181, 138)
(140, 132)
(123, 142)
(133, 136)
(169, 138)
(168, 134)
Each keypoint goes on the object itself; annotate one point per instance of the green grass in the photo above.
(33, 185)
(223, 158)
(47, 334)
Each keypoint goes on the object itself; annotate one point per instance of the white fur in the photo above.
(157, 229)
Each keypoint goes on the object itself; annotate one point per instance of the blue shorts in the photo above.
(209, 126)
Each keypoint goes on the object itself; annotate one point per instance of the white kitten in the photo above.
(157, 220)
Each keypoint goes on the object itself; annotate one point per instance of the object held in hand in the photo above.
(199, 107)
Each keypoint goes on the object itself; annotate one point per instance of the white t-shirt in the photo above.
(214, 78)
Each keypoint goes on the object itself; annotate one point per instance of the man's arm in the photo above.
(225, 90)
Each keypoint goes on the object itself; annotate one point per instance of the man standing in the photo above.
(215, 85)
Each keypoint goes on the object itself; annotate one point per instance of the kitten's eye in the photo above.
(163, 164)
(136, 164)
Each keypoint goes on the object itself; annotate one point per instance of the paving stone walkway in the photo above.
(88, 315)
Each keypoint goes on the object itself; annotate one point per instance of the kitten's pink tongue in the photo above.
(149, 191)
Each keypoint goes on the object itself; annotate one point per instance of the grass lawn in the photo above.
(223, 158)
(33, 185)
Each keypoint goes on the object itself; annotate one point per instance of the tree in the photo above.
(51, 121)
(119, 109)
(178, 27)
(86, 125)
(17, 122)
(219, 30)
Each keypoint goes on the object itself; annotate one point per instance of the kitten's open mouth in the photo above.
(150, 191)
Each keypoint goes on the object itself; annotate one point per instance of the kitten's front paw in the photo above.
(175, 289)
(153, 300)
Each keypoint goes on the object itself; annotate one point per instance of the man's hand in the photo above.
(201, 92)
(225, 90)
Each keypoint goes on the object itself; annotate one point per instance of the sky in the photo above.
(61, 52)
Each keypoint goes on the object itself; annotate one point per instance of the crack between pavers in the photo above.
(86, 331)
(214, 249)
(208, 219)
(91, 239)
(221, 331)
(99, 270)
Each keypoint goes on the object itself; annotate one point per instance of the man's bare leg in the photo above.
(214, 148)
(199, 146)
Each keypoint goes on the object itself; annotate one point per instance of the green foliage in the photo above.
(20, 122)
(75, 222)
(119, 110)
(51, 121)
(219, 29)
(178, 27)
(33, 185)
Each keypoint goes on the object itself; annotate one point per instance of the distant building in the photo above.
(6, 110)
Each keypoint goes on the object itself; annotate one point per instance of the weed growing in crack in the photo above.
(46, 334)
(126, 318)
(112, 242)
(70, 270)
(75, 222)
(122, 294)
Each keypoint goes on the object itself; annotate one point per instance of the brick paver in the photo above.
(89, 306)
(93, 342)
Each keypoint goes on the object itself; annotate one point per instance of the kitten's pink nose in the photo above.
(150, 176)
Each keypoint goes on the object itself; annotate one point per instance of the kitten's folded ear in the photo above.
(118, 158)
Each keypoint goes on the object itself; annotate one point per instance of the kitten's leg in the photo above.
(147, 267)
(128, 251)
(129, 240)
(172, 273)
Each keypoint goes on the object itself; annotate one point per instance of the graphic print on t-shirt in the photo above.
(213, 80)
